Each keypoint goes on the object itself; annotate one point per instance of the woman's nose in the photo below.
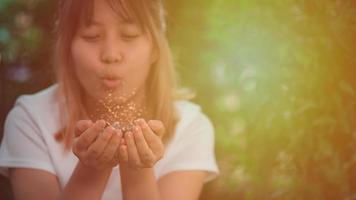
(111, 53)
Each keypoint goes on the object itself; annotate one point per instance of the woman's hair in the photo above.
(161, 81)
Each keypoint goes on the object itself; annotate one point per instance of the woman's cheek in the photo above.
(138, 72)
(84, 63)
(84, 56)
(142, 65)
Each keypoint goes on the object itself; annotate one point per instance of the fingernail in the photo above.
(129, 134)
(112, 128)
(140, 120)
(101, 123)
(136, 129)
(98, 126)
(136, 121)
(123, 142)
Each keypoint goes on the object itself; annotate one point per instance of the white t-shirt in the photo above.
(29, 142)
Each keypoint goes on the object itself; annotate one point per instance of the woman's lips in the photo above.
(111, 82)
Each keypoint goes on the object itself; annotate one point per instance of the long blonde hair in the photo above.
(161, 82)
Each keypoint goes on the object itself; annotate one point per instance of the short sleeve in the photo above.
(194, 149)
(22, 145)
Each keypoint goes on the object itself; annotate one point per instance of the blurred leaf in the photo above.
(5, 37)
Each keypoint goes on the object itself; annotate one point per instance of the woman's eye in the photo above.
(130, 36)
(91, 37)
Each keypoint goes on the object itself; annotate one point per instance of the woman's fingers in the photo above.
(146, 155)
(133, 157)
(153, 141)
(109, 153)
(97, 148)
(147, 132)
(122, 151)
(123, 154)
(87, 138)
(82, 126)
(157, 127)
(141, 148)
(102, 147)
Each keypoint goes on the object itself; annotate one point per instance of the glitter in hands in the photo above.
(121, 111)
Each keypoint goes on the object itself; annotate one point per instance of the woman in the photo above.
(113, 126)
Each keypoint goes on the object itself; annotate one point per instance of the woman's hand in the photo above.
(95, 145)
(143, 146)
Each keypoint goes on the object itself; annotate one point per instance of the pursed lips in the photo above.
(111, 81)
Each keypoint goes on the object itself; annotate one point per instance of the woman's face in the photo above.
(111, 55)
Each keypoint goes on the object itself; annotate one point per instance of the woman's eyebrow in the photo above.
(95, 23)
(120, 22)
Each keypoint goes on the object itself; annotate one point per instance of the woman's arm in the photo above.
(95, 147)
(138, 184)
(32, 184)
(142, 150)
(86, 183)
(181, 185)
(141, 184)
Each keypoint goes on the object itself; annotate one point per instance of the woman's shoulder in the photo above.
(32, 121)
(192, 147)
(39, 107)
(39, 100)
(46, 94)
(192, 118)
(187, 107)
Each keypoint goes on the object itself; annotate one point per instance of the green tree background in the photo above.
(277, 78)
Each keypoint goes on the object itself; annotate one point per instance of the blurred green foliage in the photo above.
(277, 78)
